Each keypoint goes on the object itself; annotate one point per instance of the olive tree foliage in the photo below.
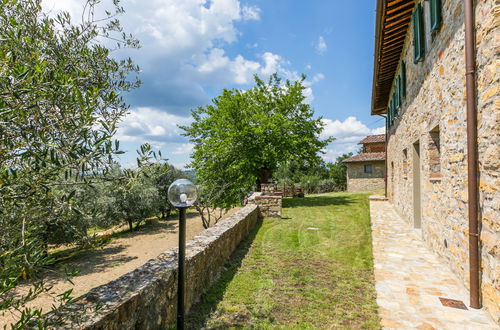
(244, 135)
(210, 203)
(137, 194)
(60, 102)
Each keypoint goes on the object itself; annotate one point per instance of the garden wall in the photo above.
(146, 297)
(269, 205)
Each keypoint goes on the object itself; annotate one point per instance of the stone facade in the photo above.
(146, 297)
(358, 180)
(427, 148)
(269, 205)
(366, 171)
(374, 147)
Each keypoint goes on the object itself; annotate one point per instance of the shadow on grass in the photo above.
(318, 200)
(200, 312)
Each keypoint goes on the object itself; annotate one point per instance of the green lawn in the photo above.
(311, 269)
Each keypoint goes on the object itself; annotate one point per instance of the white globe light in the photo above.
(182, 193)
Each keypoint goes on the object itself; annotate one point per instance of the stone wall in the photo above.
(357, 180)
(269, 205)
(374, 147)
(146, 297)
(433, 115)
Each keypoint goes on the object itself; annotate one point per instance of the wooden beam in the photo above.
(403, 19)
(403, 13)
(390, 11)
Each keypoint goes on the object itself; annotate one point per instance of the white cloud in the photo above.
(318, 77)
(250, 13)
(378, 130)
(308, 67)
(321, 46)
(183, 149)
(182, 44)
(153, 126)
(347, 135)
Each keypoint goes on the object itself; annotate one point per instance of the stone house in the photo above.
(366, 171)
(437, 82)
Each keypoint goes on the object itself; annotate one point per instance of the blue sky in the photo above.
(192, 49)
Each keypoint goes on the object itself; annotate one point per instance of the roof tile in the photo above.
(366, 157)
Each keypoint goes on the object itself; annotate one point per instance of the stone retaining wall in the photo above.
(146, 297)
(270, 205)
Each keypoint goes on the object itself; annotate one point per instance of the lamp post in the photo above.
(182, 194)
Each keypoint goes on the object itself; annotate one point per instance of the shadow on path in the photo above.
(199, 313)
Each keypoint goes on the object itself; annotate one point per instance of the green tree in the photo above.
(338, 171)
(60, 102)
(244, 136)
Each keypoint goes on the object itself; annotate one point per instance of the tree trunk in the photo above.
(130, 225)
(263, 176)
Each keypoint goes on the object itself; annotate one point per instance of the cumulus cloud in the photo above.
(182, 48)
(321, 46)
(250, 13)
(347, 134)
(153, 126)
(183, 149)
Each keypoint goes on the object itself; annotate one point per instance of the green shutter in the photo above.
(418, 34)
(435, 6)
(398, 91)
(389, 115)
(403, 79)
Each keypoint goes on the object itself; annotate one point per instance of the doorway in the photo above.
(417, 201)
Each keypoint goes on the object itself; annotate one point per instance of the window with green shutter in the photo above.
(397, 92)
(418, 34)
(403, 79)
(389, 115)
(435, 9)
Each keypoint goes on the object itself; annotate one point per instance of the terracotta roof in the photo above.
(373, 139)
(392, 22)
(366, 157)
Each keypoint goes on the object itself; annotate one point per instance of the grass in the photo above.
(311, 269)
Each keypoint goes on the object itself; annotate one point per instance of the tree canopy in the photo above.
(60, 103)
(246, 134)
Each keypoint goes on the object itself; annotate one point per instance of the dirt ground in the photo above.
(120, 256)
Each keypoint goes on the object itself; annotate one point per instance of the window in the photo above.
(418, 34)
(403, 79)
(368, 168)
(435, 11)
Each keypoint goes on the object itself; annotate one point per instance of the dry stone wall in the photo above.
(433, 115)
(269, 205)
(146, 297)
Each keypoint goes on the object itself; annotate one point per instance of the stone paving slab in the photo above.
(410, 279)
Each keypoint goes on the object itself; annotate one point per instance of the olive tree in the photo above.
(60, 102)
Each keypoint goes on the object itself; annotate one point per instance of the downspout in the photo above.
(386, 144)
(472, 171)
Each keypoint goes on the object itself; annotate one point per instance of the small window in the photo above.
(418, 34)
(403, 79)
(434, 154)
(368, 168)
(435, 9)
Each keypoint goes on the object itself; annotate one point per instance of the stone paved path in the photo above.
(410, 279)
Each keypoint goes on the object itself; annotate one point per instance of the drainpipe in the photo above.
(472, 171)
(386, 143)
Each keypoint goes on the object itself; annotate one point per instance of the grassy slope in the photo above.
(286, 275)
